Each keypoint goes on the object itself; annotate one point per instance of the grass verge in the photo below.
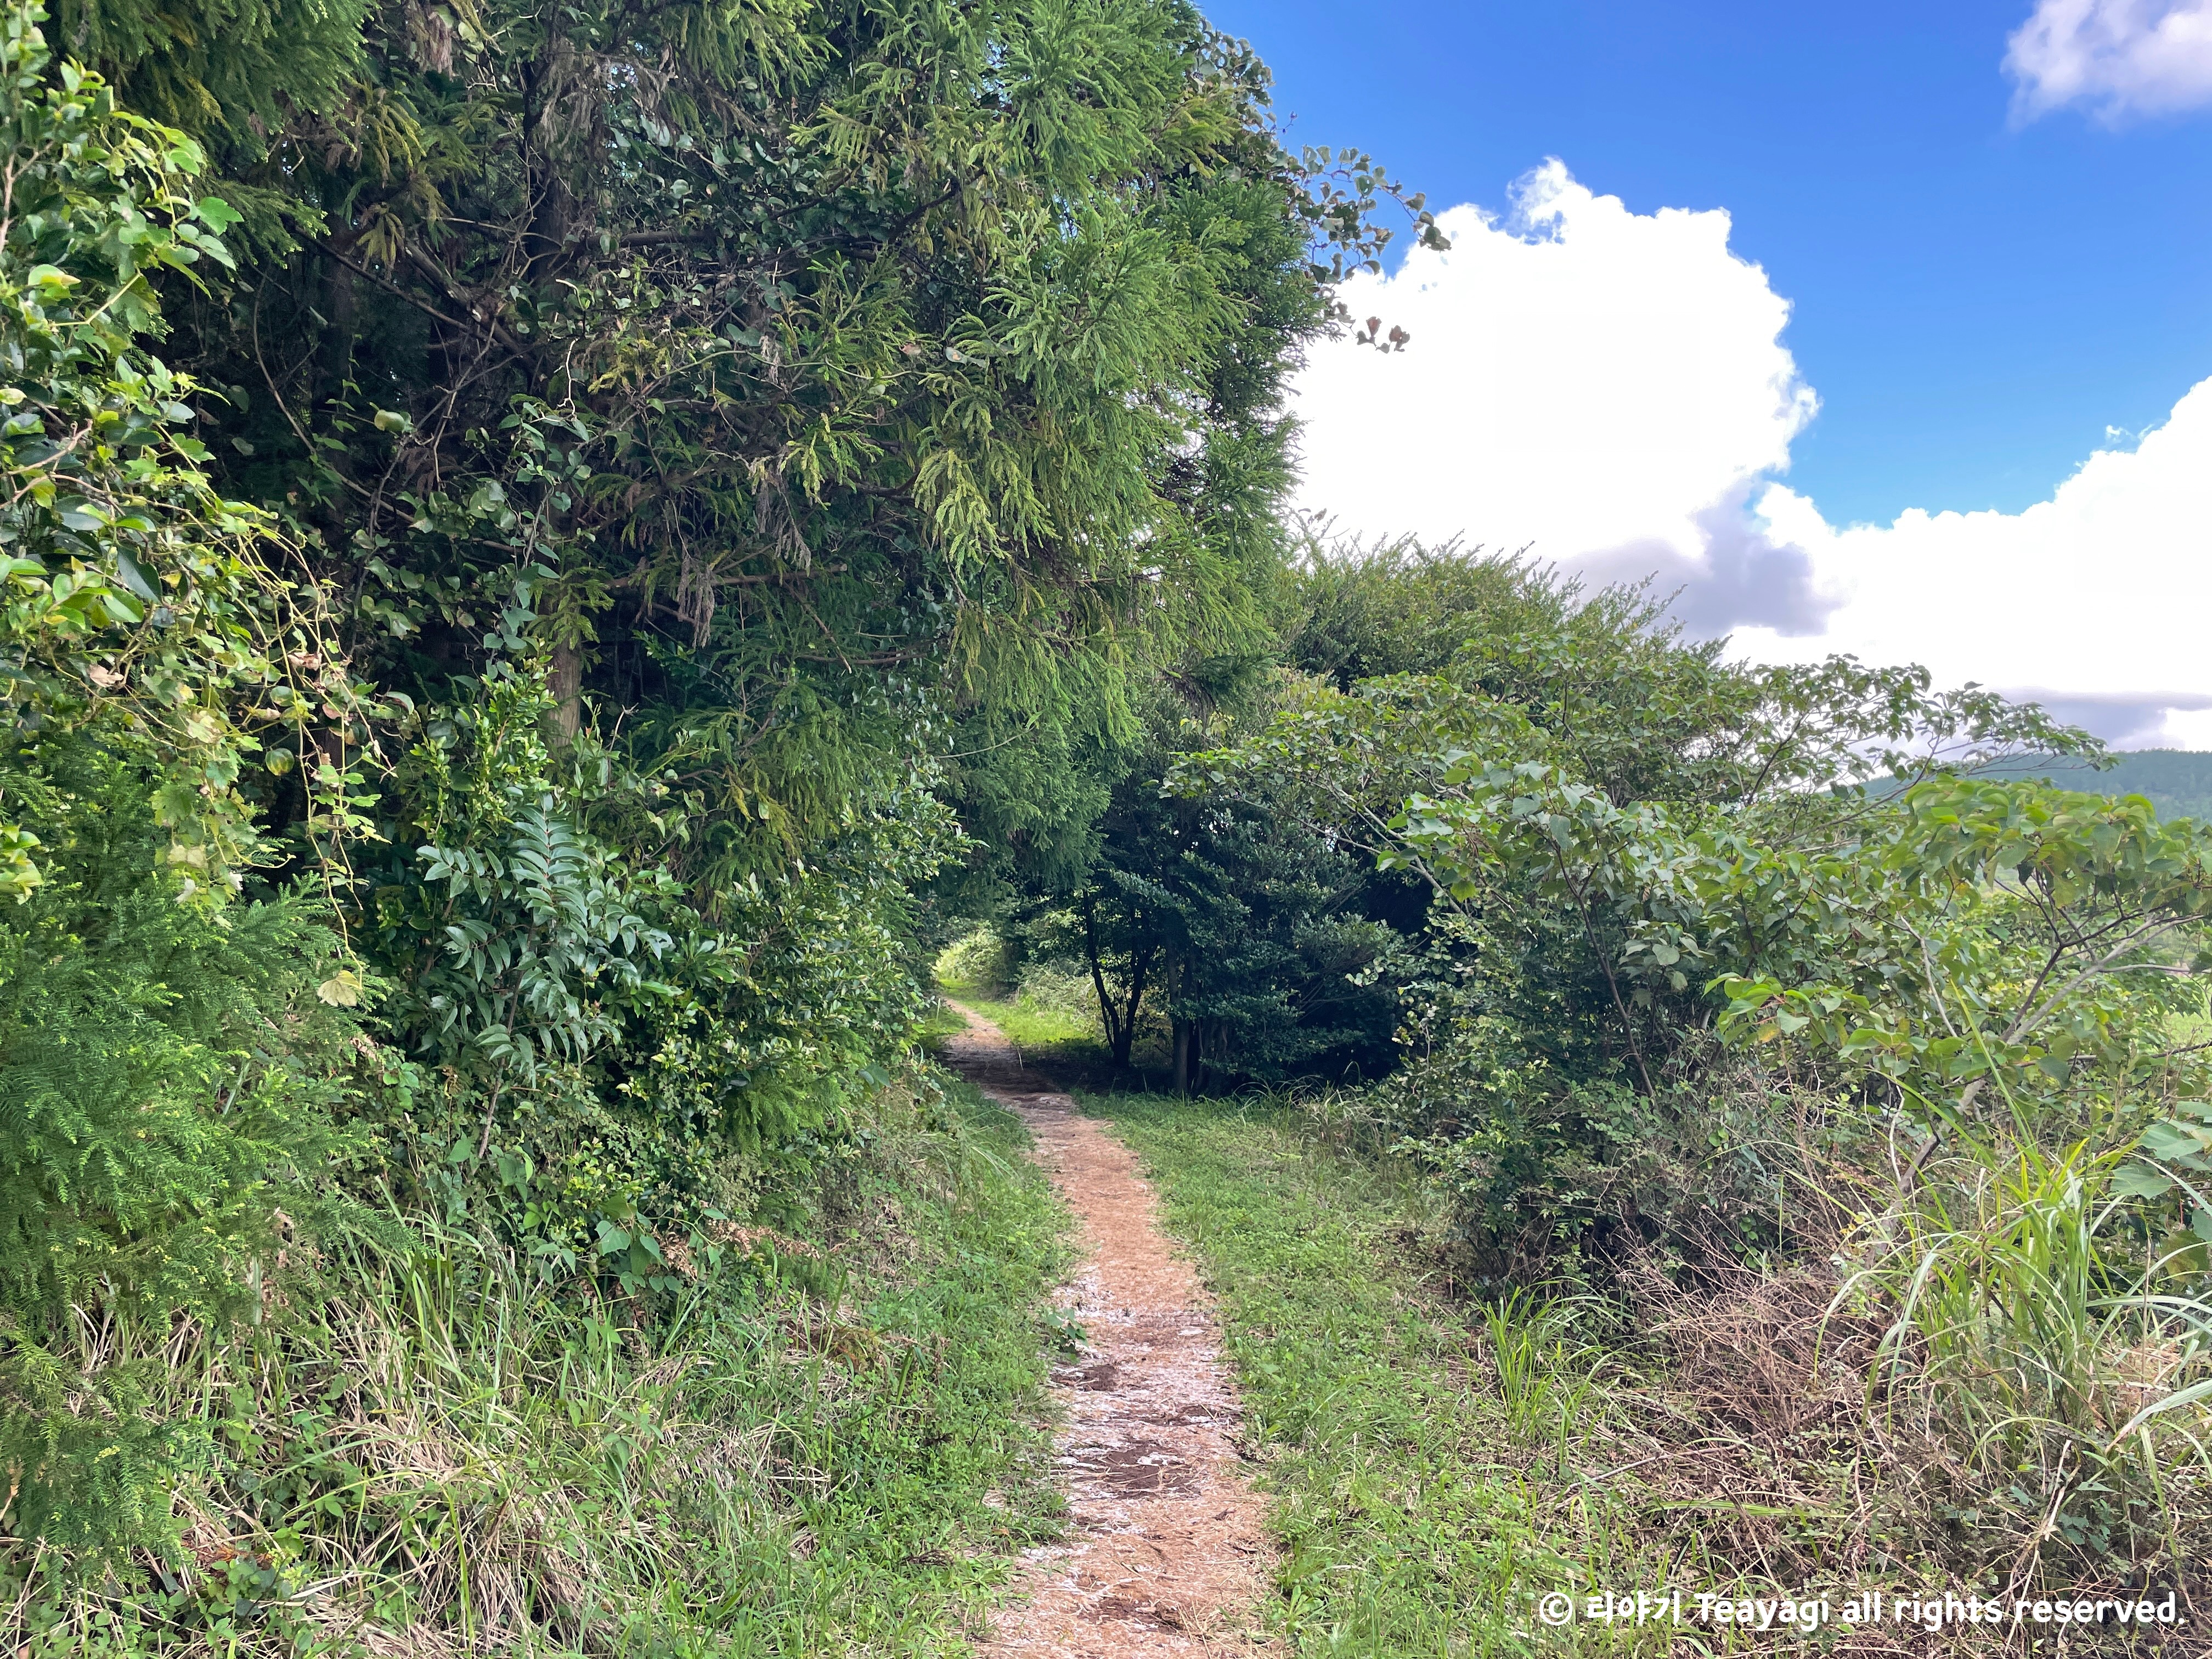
(1435, 1466)
(1404, 1531)
(814, 1446)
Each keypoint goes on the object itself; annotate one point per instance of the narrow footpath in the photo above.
(1164, 1553)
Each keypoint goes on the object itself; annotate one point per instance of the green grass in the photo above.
(1415, 1500)
(939, 1024)
(1433, 1466)
(821, 1449)
(1050, 1036)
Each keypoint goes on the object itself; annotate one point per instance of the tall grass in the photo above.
(811, 1449)
(2056, 1349)
(1547, 1377)
(2016, 1367)
(1440, 1451)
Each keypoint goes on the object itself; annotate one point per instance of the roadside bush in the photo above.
(169, 1074)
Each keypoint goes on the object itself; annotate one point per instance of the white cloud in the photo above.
(1612, 387)
(1579, 376)
(2118, 57)
(2101, 594)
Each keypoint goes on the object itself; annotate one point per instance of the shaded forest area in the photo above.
(557, 559)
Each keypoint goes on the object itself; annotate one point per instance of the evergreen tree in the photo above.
(168, 1078)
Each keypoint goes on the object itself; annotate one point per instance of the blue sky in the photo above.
(1875, 328)
(1976, 300)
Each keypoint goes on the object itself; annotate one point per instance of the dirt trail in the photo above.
(1164, 1553)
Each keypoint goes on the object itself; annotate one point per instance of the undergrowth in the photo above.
(1439, 1456)
(809, 1445)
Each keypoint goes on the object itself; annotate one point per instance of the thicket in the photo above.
(552, 554)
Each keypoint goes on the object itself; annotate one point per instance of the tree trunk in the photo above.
(1117, 1035)
(1186, 1055)
(545, 245)
(1139, 967)
(340, 312)
(545, 252)
(565, 680)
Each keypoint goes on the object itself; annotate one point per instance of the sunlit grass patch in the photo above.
(1043, 1031)
(1412, 1519)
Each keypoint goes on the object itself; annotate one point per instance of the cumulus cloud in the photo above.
(1743, 575)
(2115, 58)
(1604, 384)
(2100, 592)
(1610, 389)
(2127, 722)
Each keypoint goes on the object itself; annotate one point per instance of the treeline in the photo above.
(550, 550)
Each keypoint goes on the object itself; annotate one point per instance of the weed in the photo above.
(449, 1455)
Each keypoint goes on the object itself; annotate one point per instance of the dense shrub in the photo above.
(169, 1074)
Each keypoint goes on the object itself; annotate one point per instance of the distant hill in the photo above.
(2178, 781)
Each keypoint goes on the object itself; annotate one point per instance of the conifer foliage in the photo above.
(165, 1098)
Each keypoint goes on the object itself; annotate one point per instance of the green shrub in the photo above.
(981, 961)
(166, 1075)
(611, 1039)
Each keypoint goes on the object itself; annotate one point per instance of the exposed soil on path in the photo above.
(1164, 1553)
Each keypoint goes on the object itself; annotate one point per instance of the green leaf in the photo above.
(134, 578)
(2171, 1142)
(2139, 1180)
